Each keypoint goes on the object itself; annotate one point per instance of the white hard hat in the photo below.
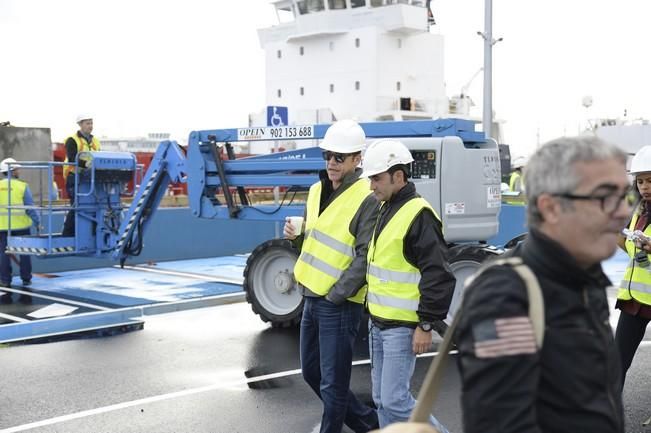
(84, 116)
(383, 154)
(519, 162)
(4, 165)
(344, 136)
(641, 162)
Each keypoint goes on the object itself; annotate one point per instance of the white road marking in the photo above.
(55, 298)
(13, 318)
(52, 310)
(168, 396)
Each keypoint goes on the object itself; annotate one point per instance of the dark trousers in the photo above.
(5, 261)
(328, 335)
(69, 223)
(629, 334)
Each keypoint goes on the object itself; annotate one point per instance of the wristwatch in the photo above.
(425, 326)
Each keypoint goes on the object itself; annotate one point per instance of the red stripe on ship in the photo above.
(515, 336)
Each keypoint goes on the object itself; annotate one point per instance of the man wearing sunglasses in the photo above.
(576, 195)
(331, 270)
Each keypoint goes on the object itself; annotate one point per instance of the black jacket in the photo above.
(361, 226)
(71, 149)
(573, 383)
(426, 250)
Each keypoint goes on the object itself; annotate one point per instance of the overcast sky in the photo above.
(176, 66)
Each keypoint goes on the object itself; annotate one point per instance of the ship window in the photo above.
(356, 85)
(332, 88)
(398, 86)
(280, 93)
(301, 50)
(309, 6)
(337, 4)
(399, 43)
(357, 3)
(331, 45)
(279, 54)
(357, 42)
(301, 91)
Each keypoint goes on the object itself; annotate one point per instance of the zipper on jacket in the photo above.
(596, 324)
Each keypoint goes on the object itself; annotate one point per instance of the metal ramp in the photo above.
(109, 301)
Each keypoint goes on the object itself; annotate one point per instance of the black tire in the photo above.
(464, 261)
(270, 286)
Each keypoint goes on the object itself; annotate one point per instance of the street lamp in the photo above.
(487, 35)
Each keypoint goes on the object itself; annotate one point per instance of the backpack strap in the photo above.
(431, 384)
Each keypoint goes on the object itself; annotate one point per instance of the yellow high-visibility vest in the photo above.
(513, 183)
(19, 218)
(637, 280)
(329, 247)
(392, 281)
(82, 146)
(513, 180)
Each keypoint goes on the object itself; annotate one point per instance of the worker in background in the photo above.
(410, 284)
(331, 271)
(634, 296)
(81, 141)
(576, 195)
(516, 183)
(14, 193)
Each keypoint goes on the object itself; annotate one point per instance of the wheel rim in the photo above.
(274, 284)
(461, 270)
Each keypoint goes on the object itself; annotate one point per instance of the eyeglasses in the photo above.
(339, 157)
(609, 202)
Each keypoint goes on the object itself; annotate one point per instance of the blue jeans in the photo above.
(5, 262)
(392, 366)
(328, 333)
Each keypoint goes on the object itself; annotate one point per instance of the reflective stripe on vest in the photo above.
(82, 146)
(637, 280)
(392, 281)
(19, 218)
(329, 247)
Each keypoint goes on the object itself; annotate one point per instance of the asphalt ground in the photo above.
(216, 369)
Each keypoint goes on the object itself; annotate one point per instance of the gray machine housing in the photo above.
(461, 182)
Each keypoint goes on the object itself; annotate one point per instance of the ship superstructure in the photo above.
(362, 59)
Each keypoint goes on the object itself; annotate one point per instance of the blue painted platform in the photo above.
(146, 284)
(111, 297)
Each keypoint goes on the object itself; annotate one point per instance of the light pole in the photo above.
(487, 35)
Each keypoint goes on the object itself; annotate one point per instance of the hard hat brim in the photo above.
(371, 172)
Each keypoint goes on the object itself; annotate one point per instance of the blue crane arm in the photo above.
(216, 180)
(167, 166)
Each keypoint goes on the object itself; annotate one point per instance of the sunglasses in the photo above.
(339, 157)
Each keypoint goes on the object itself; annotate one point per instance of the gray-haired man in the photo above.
(576, 190)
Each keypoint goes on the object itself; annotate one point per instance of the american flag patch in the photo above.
(504, 337)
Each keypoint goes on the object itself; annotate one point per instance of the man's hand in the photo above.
(422, 341)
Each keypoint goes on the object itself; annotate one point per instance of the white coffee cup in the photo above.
(297, 224)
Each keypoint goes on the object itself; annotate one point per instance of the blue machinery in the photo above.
(104, 227)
